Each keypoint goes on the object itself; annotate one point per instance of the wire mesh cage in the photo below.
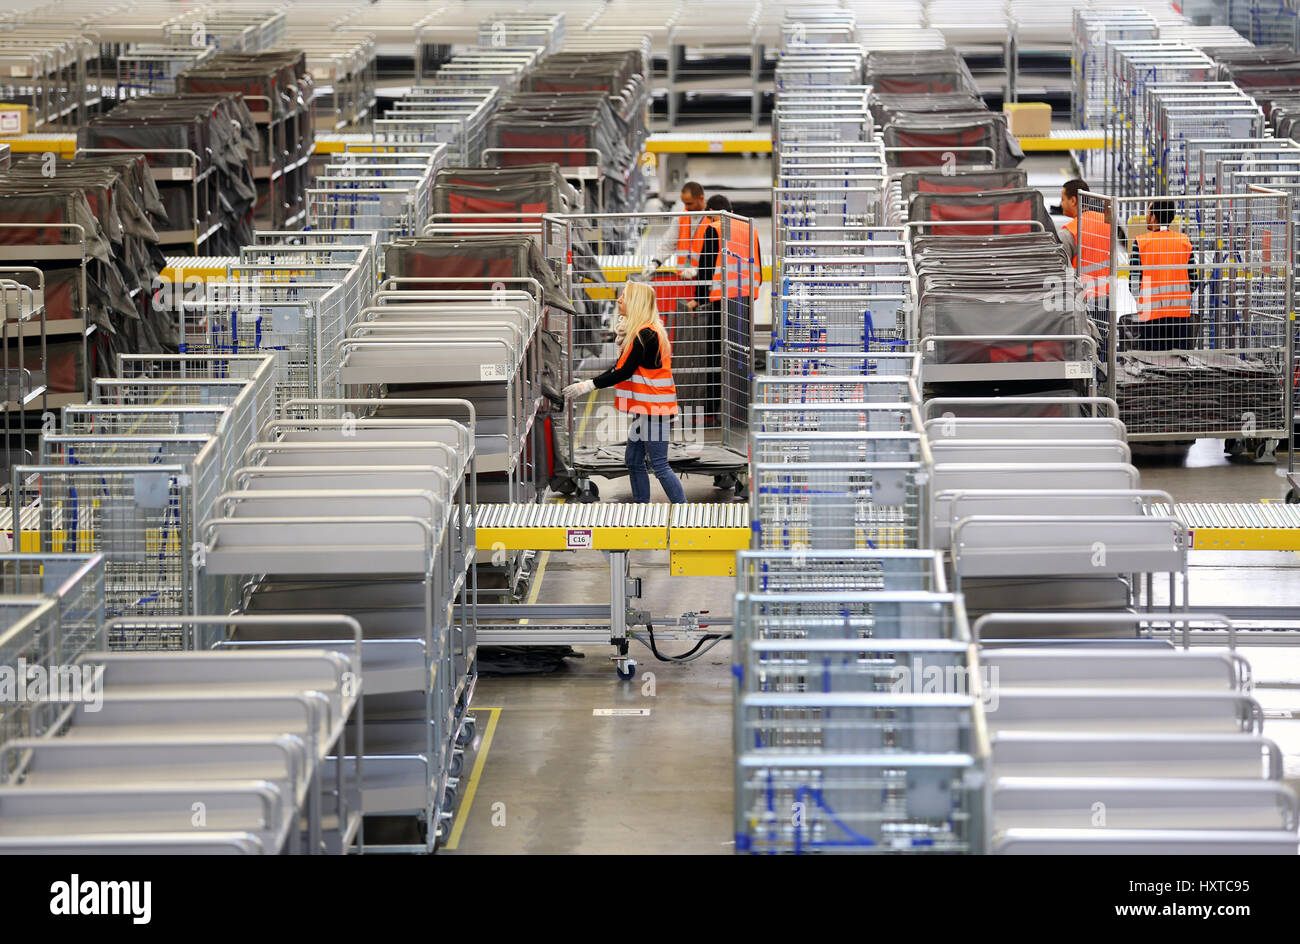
(838, 490)
(858, 721)
(706, 272)
(76, 584)
(1200, 338)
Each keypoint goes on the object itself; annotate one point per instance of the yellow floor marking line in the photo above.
(462, 814)
(586, 413)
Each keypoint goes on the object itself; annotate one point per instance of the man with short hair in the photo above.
(1087, 240)
(1164, 269)
(683, 235)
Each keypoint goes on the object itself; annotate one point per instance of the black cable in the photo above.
(691, 654)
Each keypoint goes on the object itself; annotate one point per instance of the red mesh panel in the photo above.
(1018, 210)
(62, 370)
(60, 300)
(960, 141)
(473, 203)
(669, 290)
(928, 186)
(894, 85)
(419, 266)
(38, 235)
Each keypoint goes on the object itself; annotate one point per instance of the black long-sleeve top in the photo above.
(708, 262)
(644, 353)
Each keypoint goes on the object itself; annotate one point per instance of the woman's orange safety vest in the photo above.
(1166, 291)
(650, 390)
(1093, 259)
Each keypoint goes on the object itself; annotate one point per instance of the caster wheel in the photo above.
(589, 493)
(564, 486)
(725, 482)
(1293, 497)
(1265, 449)
(448, 800)
(626, 673)
(466, 735)
(457, 764)
(1233, 447)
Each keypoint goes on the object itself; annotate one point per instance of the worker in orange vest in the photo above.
(682, 236)
(739, 264)
(1163, 267)
(644, 389)
(1089, 251)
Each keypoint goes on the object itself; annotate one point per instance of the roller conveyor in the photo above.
(1237, 526)
(180, 268)
(701, 538)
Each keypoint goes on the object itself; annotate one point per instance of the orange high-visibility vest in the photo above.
(690, 243)
(697, 241)
(741, 247)
(1092, 260)
(650, 390)
(1166, 290)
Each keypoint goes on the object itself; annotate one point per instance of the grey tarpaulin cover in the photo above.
(1198, 390)
(219, 130)
(884, 108)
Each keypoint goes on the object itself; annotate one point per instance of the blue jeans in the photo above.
(647, 437)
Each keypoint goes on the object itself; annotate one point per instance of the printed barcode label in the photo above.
(492, 372)
(621, 712)
(715, 147)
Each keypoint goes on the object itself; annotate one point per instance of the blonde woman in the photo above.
(644, 389)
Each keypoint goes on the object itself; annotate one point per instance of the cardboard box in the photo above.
(13, 120)
(1029, 119)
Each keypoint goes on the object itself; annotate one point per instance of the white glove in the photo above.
(578, 389)
(688, 273)
(651, 269)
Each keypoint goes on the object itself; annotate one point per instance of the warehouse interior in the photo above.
(335, 337)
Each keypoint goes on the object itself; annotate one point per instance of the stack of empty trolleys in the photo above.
(109, 521)
(1033, 499)
(841, 275)
(136, 481)
(1086, 694)
(292, 295)
(340, 511)
(1070, 725)
(841, 612)
(840, 600)
(382, 189)
(357, 500)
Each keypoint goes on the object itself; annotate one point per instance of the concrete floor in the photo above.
(546, 775)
